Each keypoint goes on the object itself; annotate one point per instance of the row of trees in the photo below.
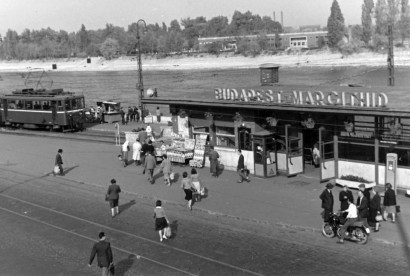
(112, 40)
(373, 32)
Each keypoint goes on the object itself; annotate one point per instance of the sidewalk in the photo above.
(280, 201)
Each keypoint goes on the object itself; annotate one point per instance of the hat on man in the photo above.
(329, 185)
(362, 185)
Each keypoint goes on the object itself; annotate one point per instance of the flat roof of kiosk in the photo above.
(398, 100)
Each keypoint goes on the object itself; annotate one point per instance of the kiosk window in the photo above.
(225, 136)
(403, 155)
(244, 137)
(356, 152)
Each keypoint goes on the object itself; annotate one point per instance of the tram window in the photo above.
(37, 105)
(60, 106)
(67, 104)
(80, 102)
(19, 104)
(11, 104)
(45, 105)
(28, 105)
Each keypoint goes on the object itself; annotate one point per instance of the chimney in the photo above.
(274, 17)
(281, 18)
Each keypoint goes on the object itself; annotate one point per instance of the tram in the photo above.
(53, 109)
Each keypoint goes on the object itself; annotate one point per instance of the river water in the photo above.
(121, 85)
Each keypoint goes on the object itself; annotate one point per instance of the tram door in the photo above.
(327, 155)
(294, 151)
(54, 112)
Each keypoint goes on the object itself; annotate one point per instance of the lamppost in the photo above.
(140, 84)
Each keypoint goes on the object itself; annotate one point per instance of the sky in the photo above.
(68, 15)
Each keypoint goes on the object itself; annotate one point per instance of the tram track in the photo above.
(165, 255)
(181, 261)
(94, 136)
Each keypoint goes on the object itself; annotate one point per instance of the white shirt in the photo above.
(125, 146)
(351, 211)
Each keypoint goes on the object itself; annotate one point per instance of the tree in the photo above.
(404, 22)
(174, 26)
(335, 25)
(380, 15)
(83, 38)
(109, 48)
(217, 26)
(367, 11)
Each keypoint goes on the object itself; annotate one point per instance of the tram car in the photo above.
(52, 109)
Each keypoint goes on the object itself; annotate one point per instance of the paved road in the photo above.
(49, 225)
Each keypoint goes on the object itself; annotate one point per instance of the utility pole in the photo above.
(140, 84)
(390, 57)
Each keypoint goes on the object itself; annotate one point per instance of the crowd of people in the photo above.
(368, 208)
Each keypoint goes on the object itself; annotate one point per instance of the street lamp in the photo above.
(140, 84)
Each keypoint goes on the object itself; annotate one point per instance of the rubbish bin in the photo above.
(88, 60)
(54, 66)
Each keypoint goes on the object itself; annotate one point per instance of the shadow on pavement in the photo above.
(70, 169)
(174, 228)
(124, 265)
(127, 205)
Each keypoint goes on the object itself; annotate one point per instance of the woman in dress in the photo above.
(166, 169)
(316, 155)
(187, 187)
(113, 197)
(161, 220)
(389, 203)
(196, 184)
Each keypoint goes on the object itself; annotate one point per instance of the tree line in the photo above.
(113, 41)
(182, 36)
(373, 32)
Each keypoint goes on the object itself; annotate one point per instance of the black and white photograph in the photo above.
(205, 138)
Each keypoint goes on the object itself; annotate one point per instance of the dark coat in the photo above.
(147, 148)
(241, 163)
(363, 207)
(113, 191)
(343, 197)
(150, 162)
(389, 198)
(59, 159)
(104, 254)
(327, 200)
(213, 155)
(375, 203)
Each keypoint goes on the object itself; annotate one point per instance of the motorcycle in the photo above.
(355, 232)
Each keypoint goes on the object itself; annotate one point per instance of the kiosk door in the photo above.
(294, 151)
(327, 155)
(264, 149)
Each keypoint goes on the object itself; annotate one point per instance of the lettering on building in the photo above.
(316, 98)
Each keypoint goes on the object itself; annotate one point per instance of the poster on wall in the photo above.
(199, 151)
(183, 129)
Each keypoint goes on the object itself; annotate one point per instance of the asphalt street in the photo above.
(50, 223)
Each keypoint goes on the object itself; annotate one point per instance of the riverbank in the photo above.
(205, 61)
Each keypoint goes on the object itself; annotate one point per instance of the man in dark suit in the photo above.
(59, 161)
(344, 196)
(104, 255)
(362, 209)
(149, 166)
(327, 201)
(241, 167)
(213, 160)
